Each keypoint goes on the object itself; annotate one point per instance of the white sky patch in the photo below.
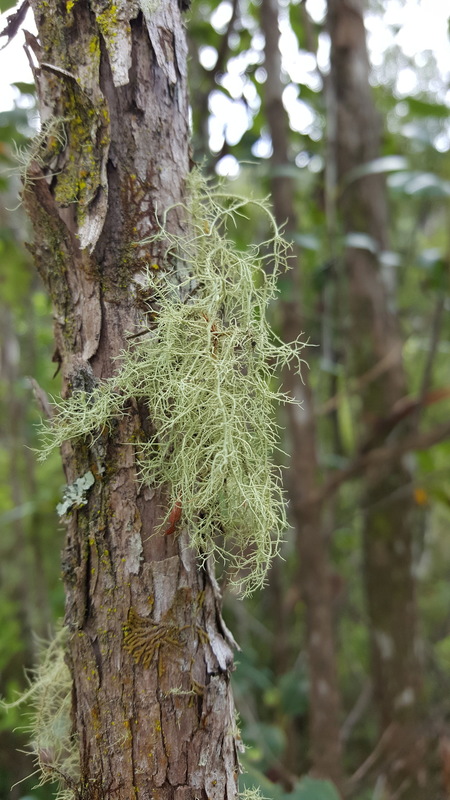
(301, 116)
(221, 16)
(406, 82)
(316, 9)
(228, 167)
(442, 142)
(300, 65)
(14, 64)
(207, 56)
(251, 96)
(229, 121)
(233, 84)
(323, 52)
(419, 28)
(262, 147)
(261, 74)
(423, 26)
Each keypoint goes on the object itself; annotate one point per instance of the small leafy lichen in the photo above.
(74, 496)
(206, 368)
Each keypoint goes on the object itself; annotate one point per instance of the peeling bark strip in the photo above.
(149, 654)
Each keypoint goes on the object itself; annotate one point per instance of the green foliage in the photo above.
(252, 783)
(206, 372)
(6, 4)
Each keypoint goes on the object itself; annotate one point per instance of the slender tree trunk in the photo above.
(388, 500)
(154, 718)
(314, 573)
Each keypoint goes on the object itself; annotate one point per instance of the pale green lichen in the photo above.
(50, 140)
(149, 6)
(75, 495)
(206, 369)
(52, 742)
(254, 793)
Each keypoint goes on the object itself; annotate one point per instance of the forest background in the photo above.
(344, 671)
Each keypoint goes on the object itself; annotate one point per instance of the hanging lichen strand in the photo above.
(206, 369)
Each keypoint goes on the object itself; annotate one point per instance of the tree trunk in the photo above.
(314, 572)
(148, 651)
(374, 337)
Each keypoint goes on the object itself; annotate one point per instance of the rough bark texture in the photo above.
(148, 651)
(388, 500)
(314, 573)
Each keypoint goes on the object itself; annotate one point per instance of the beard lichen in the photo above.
(52, 742)
(206, 368)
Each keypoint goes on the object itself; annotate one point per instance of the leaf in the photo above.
(18, 512)
(312, 789)
(24, 87)
(389, 259)
(253, 777)
(428, 184)
(422, 108)
(270, 739)
(294, 689)
(437, 266)
(361, 241)
(6, 4)
(375, 167)
(307, 240)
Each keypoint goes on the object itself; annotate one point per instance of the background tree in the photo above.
(304, 481)
(375, 339)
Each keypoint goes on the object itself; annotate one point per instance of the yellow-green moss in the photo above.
(107, 22)
(80, 179)
(143, 638)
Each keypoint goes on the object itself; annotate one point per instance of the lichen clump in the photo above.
(52, 741)
(206, 368)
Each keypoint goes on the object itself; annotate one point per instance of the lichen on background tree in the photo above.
(205, 366)
(52, 741)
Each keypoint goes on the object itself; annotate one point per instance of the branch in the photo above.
(382, 744)
(382, 366)
(435, 334)
(14, 21)
(379, 456)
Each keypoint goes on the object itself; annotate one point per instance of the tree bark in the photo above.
(374, 336)
(149, 654)
(304, 479)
